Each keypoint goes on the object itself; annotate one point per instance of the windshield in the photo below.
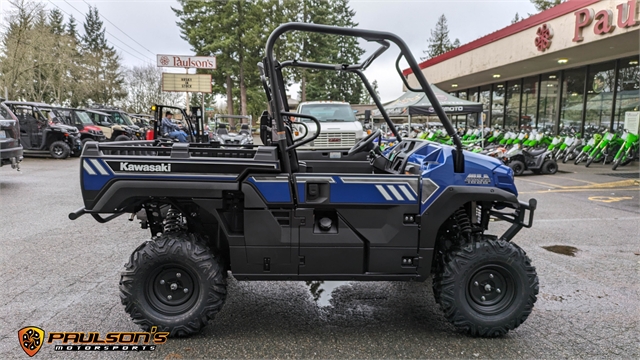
(51, 115)
(121, 118)
(84, 117)
(328, 112)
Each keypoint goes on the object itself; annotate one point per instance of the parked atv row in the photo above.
(61, 132)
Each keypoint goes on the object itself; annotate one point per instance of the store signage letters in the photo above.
(604, 19)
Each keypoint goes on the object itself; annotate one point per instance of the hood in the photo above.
(338, 126)
(68, 128)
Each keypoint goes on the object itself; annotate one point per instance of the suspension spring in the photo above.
(173, 221)
(463, 222)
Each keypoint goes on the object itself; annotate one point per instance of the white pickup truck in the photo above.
(339, 128)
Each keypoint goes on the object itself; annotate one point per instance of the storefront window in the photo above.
(462, 95)
(548, 102)
(529, 103)
(473, 96)
(497, 106)
(628, 96)
(599, 95)
(513, 104)
(485, 99)
(572, 98)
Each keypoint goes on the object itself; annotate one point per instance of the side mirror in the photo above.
(367, 116)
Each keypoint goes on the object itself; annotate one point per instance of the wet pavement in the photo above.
(63, 276)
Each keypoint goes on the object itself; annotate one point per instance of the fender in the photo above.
(450, 200)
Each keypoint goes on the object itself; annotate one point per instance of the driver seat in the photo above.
(222, 130)
(534, 152)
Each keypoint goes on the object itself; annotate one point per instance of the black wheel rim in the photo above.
(57, 150)
(491, 290)
(172, 289)
(552, 168)
(517, 168)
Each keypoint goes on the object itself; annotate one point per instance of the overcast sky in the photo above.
(152, 24)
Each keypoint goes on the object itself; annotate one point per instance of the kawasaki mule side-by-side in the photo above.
(275, 212)
(42, 131)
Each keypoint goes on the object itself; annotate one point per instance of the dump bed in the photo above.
(111, 172)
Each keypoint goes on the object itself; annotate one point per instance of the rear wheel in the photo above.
(629, 158)
(487, 287)
(517, 166)
(173, 282)
(59, 150)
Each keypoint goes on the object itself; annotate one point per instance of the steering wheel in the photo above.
(364, 143)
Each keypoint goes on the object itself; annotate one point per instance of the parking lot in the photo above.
(62, 275)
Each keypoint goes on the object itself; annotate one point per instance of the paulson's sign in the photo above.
(181, 61)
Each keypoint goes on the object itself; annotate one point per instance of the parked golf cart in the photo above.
(10, 148)
(43, 132)
(112, 131)
(82, 121)
(226, 137)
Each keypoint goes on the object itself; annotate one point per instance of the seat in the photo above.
(535, 152)
(222, 130)
(244, 129)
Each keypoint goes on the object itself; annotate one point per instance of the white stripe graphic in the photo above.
(384, 193)
(99, 167)
(88, 168)
(395, 192)
(407, 193)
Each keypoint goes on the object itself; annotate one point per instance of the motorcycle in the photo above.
(628, 151)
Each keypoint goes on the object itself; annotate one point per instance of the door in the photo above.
(358, 223)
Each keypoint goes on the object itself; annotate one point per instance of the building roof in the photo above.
(532, 21)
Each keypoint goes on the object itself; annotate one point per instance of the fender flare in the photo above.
(450, 200)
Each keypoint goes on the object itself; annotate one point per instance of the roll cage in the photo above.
(274, 85)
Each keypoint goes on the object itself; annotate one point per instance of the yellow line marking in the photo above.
(609, 199)
(539, 182)
(582, 181)
(608, 185)
(575, 190)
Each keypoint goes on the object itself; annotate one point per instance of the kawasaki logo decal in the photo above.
(125, 166)
(482, 179)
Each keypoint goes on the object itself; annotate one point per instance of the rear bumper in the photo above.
(11, 156)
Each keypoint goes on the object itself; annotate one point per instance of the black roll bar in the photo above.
(378, 36)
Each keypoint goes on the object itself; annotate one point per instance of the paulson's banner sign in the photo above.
(184, 61)
(186, 82)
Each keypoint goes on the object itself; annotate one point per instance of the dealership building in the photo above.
(574, 65)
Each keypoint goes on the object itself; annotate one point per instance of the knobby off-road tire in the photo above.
(517, 166)
(59, 150)
(173, 282)
(122, 138)
(550, 167)
(493, 264)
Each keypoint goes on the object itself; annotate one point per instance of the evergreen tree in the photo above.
(542, 5)
(72, 27)
(439, 42)
(56, 21)
(104, 79)
(516, 18)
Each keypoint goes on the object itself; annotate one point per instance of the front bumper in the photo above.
(516, 218)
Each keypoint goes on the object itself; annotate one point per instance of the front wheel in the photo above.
(122, 138)
(487, 287)
(589, 161)
(517, 166)
(59, 150)
(173, 282)
(550, 167)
